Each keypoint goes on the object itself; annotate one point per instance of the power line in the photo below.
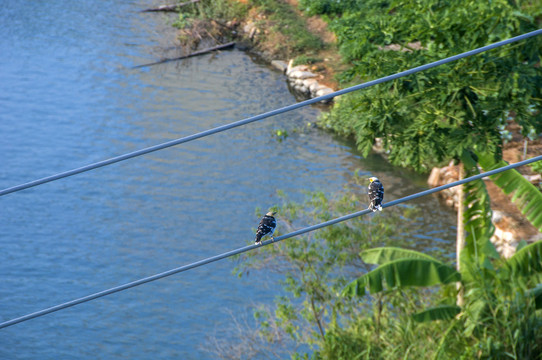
(261, 116)
(253, 246)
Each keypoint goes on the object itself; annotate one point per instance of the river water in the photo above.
(68, 97)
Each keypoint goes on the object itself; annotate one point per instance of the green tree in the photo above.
(442, 113)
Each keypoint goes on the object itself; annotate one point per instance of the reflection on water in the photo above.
(69, 98)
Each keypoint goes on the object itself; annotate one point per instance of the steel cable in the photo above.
(261, 116)
(253, 246)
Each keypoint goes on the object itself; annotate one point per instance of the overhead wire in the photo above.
(248, 120)
(254, 246)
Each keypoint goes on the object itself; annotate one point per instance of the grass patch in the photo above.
(221, 9)
(306, 60)
(284, 31)
(284, 20)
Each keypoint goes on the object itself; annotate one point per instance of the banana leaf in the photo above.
(383, 255)
(527, 261)
(536, 292)
(526, 196)
(444, 312)
(477, 221)
(402, 273)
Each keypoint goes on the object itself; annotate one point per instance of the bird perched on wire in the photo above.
(376, 194)
(267, 226)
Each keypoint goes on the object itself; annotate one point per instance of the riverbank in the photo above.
(274, 31)
(311, 66)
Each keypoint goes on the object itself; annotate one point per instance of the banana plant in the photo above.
(399, 268)
(526, 196)
(477, 222)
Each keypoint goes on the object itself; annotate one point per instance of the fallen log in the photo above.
(197, 53)
(170, 7)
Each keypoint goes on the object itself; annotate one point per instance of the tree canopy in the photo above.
(438, 114)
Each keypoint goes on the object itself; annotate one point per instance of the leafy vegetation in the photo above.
(216, 10)
(403, 308)
(457, 111)
(499, 318)
(525, 194)
(315, 268)
(439, 114)
(304, 59)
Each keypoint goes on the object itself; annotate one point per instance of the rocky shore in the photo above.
(302, 81)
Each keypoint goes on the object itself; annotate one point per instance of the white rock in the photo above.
(324, 91)
(507, 236)
(298, 74)
(497, 216)
(280, 65)
(248, 27)
(299, 68)
(313, 86)
(309, 82)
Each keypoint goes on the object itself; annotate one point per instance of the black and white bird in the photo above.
(267, 226)
(376, 194)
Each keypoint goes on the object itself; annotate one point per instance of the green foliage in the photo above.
(281, 134)
(439, 114)
(306, 60)
(477, 216)
(537, 167)
(182, 21)
(402, 273)
(209, 10)
(314, 268)
(498, 318)
(329, 7)
(536, 293)
(526, 196)
(383, 255)
(217, 9)
(527, 261)
(443, 312)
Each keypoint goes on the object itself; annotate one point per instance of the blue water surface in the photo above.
(69, 97)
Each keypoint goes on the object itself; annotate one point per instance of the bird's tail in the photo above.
(258, 238)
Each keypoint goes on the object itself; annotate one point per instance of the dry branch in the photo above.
(170, 7)
(197, 53)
